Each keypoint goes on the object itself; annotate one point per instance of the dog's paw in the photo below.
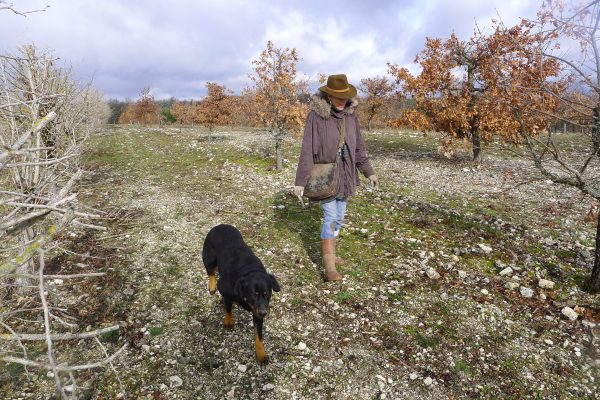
(228, 326)
(228, 321)
(262, 359)
(212, 284)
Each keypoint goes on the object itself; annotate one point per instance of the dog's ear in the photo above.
(238, 288)
(274, 283)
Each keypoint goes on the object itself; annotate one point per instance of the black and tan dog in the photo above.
(242, 279)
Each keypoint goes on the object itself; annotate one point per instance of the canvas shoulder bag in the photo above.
(325, 181)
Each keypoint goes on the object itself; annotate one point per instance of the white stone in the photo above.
(526, 292)
(433, 274)
(69, 388)
(316, 369)
(428, 381)
(570, 313)
(175, 381)
(485, 248)
(546, 284)
(231, 394)
(588, 324)
(549, 342)
(462, 274)
(506, 271)
(485, 292)
(268, 387)
(242, 368)
(301, 346)
(413, 376)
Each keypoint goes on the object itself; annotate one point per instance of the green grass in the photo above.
(110, 337)
(15, 370)
(344, 296)
(461, 366)
(156, 330)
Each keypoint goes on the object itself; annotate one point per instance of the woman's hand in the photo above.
(374, 181)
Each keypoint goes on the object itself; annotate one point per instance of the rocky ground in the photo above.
(461, 280)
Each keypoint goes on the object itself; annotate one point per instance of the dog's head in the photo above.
(256, 290)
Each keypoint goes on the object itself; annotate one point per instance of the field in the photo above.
(423, 311)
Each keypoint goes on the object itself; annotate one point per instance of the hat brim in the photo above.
(346, 94)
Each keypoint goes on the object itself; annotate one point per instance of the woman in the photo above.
(333, 103)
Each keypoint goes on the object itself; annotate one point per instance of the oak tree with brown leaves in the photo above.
(447, 91)
(215, 108)
(144, 111)
(378, 91)
(184, 112)
(275, 94)
(472, 90)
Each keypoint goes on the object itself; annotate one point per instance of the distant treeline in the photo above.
(189, 112)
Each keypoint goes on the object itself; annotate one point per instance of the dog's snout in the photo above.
(263, 312)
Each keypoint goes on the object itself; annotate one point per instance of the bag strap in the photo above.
(342, 132)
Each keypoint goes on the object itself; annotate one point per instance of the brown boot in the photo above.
(339, 260)
(329, 260)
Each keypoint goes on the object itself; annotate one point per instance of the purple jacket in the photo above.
(321, 141)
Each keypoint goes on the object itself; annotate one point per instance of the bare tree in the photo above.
(6, 6)
(45, 117)
(577, 91)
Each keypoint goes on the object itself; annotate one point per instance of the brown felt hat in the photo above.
(338, 86)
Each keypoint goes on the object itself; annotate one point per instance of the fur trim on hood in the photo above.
(320, 104)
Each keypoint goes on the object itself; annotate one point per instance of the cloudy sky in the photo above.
(175, 47)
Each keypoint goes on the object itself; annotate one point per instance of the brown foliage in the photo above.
(378, 92)
(144, 111)
(215, 108)
(184, 111)
(472, 90)
(275, 94)
(276, 90)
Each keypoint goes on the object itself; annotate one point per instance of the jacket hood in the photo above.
(320, 104)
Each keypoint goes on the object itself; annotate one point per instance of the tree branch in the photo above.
(58, 336)
(65, 367)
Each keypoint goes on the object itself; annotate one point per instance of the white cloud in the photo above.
(175, 47)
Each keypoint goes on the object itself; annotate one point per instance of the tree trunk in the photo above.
(278, 156)
(594, 282)
(370, 124)
(476, 142)
(23, 283)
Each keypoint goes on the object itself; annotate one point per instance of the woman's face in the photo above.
(337, 103)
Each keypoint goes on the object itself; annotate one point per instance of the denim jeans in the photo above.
(333, 217)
